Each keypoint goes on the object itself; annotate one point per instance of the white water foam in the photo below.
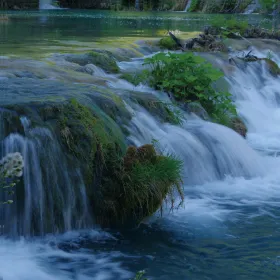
(44, 260)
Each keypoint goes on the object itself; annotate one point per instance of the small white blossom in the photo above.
(11, 165)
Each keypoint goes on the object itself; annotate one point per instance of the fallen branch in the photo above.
(176, 40)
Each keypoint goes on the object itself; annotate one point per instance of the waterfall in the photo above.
(252, 7)
(47, 5)
(189, 3)
(53, 198)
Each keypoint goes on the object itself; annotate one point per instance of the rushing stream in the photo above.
(228, 227)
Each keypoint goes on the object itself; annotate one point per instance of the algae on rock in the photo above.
(104, 61)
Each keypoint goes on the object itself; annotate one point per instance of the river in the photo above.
(228, 227)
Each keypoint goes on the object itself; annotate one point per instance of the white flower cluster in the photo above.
(11, 165)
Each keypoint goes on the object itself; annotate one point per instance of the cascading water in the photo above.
(53, 198)
(47, 5)
(189, 3)
(226, 183)
(254, 6)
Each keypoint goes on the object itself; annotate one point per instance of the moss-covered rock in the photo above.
(272, 67)
(168, 43)
(104, 61)
(165, 112)
(136, 186)
(100, 58)
(123, 187)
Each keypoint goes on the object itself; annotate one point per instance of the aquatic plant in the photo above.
(11, 168)
(189, 78)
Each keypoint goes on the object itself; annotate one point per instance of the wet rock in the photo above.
(238, 125)
(197, 109)
(102, 59)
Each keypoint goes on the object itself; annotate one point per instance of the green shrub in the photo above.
(189, 78)
(168, 43)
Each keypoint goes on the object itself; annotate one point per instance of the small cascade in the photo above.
(47, 5)
(53, 196)
(189, 3)
(252, 7)
(210, 151)
(258, 100)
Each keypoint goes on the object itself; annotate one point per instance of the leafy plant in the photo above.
(11, 167)
(140, 275)
(189, 78)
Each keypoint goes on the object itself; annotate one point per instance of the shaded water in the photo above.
(229, 225)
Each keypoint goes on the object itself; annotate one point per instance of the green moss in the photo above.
(89, 138)
(104, 61)
(168, 43)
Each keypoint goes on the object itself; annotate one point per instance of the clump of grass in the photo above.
(138, 186)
